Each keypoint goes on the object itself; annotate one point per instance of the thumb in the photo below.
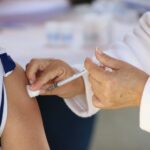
(96, 71)
(107, 60)
(89, 65)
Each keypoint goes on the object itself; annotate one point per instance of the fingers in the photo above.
(31, 69)
(46, 76)
(35, 66)
(99, 92)
(97, 88)
(107, 60)
(101, 104)
(96, 71)
(44, 90)
(99, 98)
(96, 102)
(61, 91)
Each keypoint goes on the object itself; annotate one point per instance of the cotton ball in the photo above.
(32, 93)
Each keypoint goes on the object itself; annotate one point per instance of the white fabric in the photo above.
(4, 113)
(6, 68)
(145, 108)
(135, 49)
(82, 105)
(32, 93)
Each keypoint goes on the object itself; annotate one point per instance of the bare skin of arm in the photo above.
(24, 128)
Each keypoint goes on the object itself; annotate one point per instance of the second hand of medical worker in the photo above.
(69, 79)
(59, 84)
(44, 73)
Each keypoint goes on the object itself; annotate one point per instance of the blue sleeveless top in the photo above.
(7, 65)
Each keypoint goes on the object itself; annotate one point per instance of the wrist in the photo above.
(79, 84)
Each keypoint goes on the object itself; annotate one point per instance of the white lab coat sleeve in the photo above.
(145, 108)
(82, 105)
(134, 49)
(139, 44)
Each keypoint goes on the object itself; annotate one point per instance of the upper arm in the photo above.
(24, 129)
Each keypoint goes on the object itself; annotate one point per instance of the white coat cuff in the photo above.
(145, 108)
(82, 105)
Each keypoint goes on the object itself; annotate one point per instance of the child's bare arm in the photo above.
(24, 129)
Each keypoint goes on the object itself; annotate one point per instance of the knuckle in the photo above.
(28, 74)
(28, 68)
(33, 61)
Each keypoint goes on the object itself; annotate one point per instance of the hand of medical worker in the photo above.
(121, 87)
(45, 72)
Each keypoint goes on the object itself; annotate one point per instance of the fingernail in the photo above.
(98, 51)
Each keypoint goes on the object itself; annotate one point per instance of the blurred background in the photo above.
(70, 30)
